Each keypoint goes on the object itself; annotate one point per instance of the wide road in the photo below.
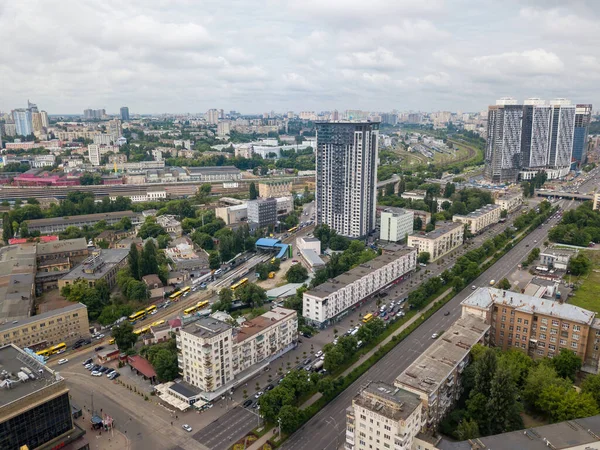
(327, 429)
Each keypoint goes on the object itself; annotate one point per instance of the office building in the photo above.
(396, 224)
(23, 122)
(557, 258)
(268, 189)
(536, 326)
(346, 180)
(215, 357)
(510, 202)
(60, 224)
(445, 238)
(583, 117)
(50, 328)
(94, 154)
(124, 113)
(435, 376)
(480, 219)
(331, 301)
(100, 265)
(262, 212)
(381, 417)
(310, 249)
(35, 409)
(503, 147)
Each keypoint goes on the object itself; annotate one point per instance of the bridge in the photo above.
(395, 180)
(569, 195)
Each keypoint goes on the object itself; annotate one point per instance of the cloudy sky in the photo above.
(255, 56)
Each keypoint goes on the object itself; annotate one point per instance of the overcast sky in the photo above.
(256, 56)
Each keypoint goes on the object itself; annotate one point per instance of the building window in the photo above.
(563, 342)
(545, 321)
(526, 322)
(518, 328)
(574, 344)
(519, 320)
(554, 322)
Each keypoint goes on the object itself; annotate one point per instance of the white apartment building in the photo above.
(243, 151)
(480, 219)
(43, 161)
(438, 242)
(94, 154)
(510, 202)
(435, 375)
(383, 417)
(211, 354)
(396, 224)
(104, 139)
(326, 303)
(346, 163)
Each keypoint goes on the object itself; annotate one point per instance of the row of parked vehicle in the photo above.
(97, 370)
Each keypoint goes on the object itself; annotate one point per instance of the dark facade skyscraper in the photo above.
(346, 181)
(583, 117)
(124, 113)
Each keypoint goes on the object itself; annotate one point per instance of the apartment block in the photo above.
(510, 202)
(211, 353)
(503, 147)
(435, 376)
(60, 224)
(383, 416)
(17, 281)
(268, 189)
(328, 302)
(396, 224)
(60, 325)
(537, 326)
(480, 219)
(447, 237)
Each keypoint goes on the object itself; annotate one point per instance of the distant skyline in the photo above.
(178, 56)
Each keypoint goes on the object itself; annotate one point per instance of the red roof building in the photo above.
(142, 366)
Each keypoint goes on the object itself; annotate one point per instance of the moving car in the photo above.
(186, 427)
(97, 349)
(434, 336)
(63, 361)
(473, 287)
(447, 313)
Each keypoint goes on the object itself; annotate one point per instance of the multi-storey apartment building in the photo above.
(268, 189)
(94, 154)
(17, 281)
(211, 353)
(510, 202)
(396, 224)
(330, 301)
(346, 166)
(537, 326)
(503, 147)
(60, 224)
(583, 117)
(435, 375)
(60, 325)
(480, 219)
(383, 417)
(438, 242)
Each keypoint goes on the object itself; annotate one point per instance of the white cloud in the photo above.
(515, 64)
(380, 58)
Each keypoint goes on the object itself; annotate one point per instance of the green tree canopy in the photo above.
(296, 274)
(124, 336)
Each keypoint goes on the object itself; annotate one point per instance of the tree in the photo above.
(484, 372)
(214, 260)
(503, 407)
(417, 223)
(591, 385)
(124, 336)
(430, 226)
(7, 229)
(423, 257)
(566, 364)
(561, 402)
(134, 261)
(290, 417)
(164, 362)
(467, 429)
(251, 294)
(503, 214)
(203, 240)
(296, 274)
(539, 377)
(253, 191)
(226, 295)
(504, 284)
(149, 259)
(579, 264)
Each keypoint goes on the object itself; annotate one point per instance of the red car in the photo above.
(376, 314)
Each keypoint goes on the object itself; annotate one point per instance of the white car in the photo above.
(319, 353)
(153, 312)
(63, 361)
(258, 394)
(186, 427)
(89, 366)
(434, 336)
(95, 373)
(110, 372)
(100, 336)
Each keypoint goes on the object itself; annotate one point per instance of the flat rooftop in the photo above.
(253, 327)
(206, 327)
(484, 297)
(97, 266)
(83, 218)
(61, 246)
(479, 212)
(441, 358)
(444, 228)
(212, 169)
(17, 279)
(392, 402)
(559, 252)
(32, 319)
(397, 211)
(343, 280)
(19, 383)
(563, 435)
(312, 257)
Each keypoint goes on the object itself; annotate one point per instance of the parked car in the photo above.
(114, 376)
(258, 394)
(88, 361)
(269, 387)
(186, 427)
(247, 403)
(95, 373)
(318, 354)
(109, 372)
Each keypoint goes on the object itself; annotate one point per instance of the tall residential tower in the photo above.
(583, 117)
(347, 176)
(503, 148)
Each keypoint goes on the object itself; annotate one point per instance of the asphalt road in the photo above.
(228, 429)
(326, 430)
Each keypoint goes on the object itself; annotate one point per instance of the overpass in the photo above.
(395, 180)
(569, 195)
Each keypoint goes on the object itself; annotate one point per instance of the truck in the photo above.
(318, 365)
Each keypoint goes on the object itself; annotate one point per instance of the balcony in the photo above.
(350, 436)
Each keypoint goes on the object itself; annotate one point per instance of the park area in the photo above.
(586, 295)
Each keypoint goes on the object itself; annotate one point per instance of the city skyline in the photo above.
(253, 58)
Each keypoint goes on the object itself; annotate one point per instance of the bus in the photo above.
(293, 229)
(149, 309)
(367, 318)
(242, 282)
(142, 330)
(185, 289)
(198, 306)
(45, 353)
(157, 323)
(58, 348)
(175, 295)
(137, 316)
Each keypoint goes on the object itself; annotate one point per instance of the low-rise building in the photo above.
(480, 219)
(383, 416)
(101, 265)
(73, 249)
(50, 328)
(510, 202)
(155, 286)
(423, 215)
(215, 357)
(396, 224)
(310, 249)
(445, 238)
(217, 173)
(557, 258)
(60, 224)
(435, 376)
(285, 205)
(536, 326)
(17, 281)
(141, 195)
(268, 189)
(330, 301)
(170, 224)
(262, 212)
(178, 277)
(233, 214)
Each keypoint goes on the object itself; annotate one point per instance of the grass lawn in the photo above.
(586, 296)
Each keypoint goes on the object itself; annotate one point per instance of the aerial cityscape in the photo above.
(256, 226)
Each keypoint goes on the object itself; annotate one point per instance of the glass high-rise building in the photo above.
(346, 180)
(124, 113)
(23, 121)
(503, 147)
(583, 117)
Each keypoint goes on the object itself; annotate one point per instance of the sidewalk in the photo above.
(103, 440)
(371, 352)
(257, 445)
